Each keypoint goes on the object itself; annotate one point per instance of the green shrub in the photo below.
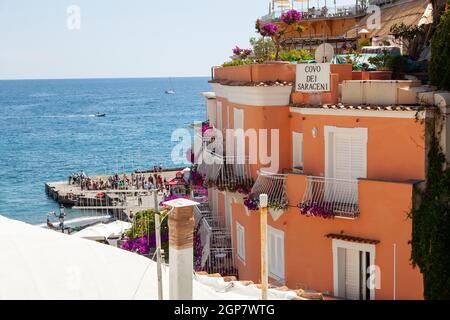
(145, 224)
(295, 55)
(382, 61)
(263, 48)
(238, 62)
(439, 69)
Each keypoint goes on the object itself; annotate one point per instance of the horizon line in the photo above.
(106, 78)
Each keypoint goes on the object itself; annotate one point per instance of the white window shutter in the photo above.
(352, 273)
(240, 241)
(219, 115)
(297, 150)
(276, 253)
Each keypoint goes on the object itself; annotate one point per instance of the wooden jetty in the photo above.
(120, 203)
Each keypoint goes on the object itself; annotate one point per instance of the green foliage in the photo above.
(145, 224)
(363, 43)
(398, 64)
(406, 32)
(431, 228)
(263, 48)
(354, 60)
(295, 55)
(382, 61)
(439, 68)
(238, 62)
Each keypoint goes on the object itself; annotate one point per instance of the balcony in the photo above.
(226, 173)
(274, 185)
(217, 254)
(334, 12)
(329, 198)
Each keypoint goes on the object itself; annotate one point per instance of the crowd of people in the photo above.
(136, 181)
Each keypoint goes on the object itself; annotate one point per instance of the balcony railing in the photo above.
(274, 185)
(227, 173)
(321, 13)
(210, 164)
(217, 251)
(328, 198)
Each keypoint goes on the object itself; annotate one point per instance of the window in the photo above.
(240, 241)
(345, 153)
(219, 115)
(276, 253)
(297, 151)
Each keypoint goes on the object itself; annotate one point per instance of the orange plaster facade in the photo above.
(395, 162)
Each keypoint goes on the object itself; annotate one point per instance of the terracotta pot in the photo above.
(277, 62)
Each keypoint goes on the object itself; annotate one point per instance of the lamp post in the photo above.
(158, 238)
(263, 202)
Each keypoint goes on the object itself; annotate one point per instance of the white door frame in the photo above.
(370, 248)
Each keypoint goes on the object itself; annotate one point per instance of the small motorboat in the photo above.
(170, 92)
(100, 115)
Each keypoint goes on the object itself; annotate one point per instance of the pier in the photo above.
(120, 203)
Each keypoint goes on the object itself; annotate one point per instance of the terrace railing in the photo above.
(210, 164)
(235, 175)
(218, 254)
(330, 197)
(321, 13)
(227, 173)
(274, 185)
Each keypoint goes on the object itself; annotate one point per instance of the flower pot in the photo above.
(277, 62)
(276, 213)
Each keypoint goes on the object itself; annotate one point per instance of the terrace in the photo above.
(310, 12)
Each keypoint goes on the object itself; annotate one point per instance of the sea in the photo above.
(48, 131)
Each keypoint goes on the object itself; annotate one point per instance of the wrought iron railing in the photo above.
(226, 173)
(328, 197)
(320, 13)
(274, 185)
(218, 254)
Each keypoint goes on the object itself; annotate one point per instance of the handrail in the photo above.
(329, 197)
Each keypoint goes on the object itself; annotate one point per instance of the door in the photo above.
(352, 274)
(351, 271)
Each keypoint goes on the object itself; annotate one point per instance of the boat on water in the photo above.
(100, 115)
(170, 91)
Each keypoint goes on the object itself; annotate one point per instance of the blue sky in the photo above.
(122, 38)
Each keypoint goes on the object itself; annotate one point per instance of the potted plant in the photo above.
(290, 24)
(382, 64)
(277, 208)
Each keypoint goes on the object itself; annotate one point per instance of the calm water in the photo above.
(48, 131)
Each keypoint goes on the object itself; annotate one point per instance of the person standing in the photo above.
(62, 216)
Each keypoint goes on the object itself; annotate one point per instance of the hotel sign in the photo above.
(313, 77)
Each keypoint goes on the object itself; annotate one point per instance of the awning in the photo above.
(410, 13)
(40, 264)
(351, 238)
(103, 231)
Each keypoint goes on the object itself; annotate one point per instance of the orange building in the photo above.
(348, 163)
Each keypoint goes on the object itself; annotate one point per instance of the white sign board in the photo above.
(313, 77)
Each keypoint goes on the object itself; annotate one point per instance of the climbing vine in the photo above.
(439, 68)
(431, 226)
